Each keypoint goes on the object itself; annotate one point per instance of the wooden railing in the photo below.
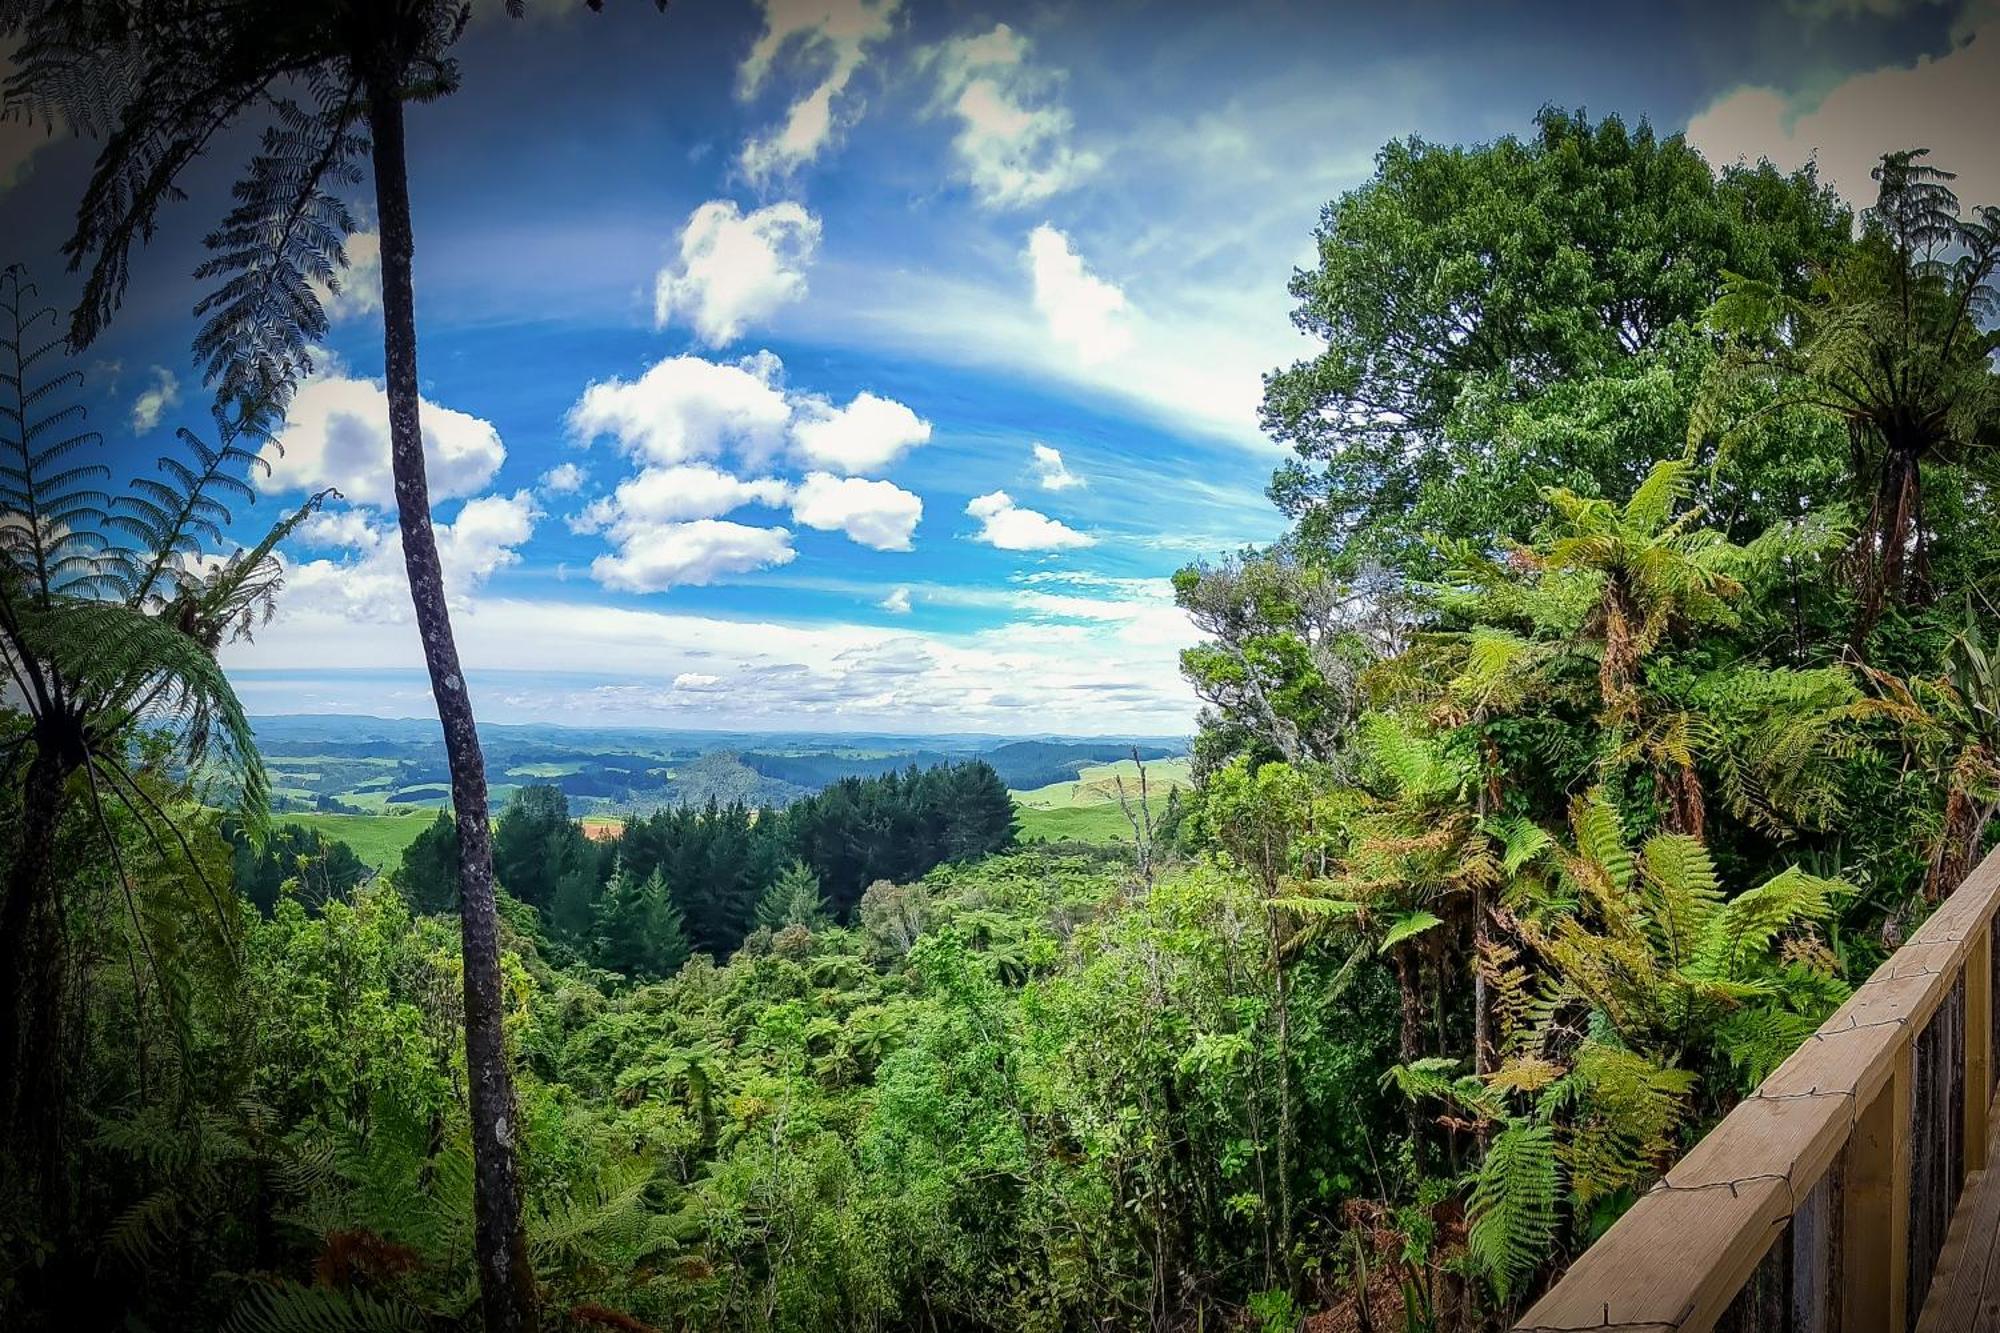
(1822, 1201)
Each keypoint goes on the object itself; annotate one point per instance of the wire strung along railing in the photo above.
(1821, 1203)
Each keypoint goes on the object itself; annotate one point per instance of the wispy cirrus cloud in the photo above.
(1014, 138)
(831, 37)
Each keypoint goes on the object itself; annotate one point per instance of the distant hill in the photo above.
(1026, 764)
(369, 765)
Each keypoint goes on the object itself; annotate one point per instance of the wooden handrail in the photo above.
(1808, 1183)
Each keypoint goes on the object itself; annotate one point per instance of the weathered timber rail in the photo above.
(1822, 1203)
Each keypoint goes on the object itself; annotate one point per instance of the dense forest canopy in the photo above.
(1626, 688)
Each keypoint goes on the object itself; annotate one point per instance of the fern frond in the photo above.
(1512, 1213)
(291, 1308)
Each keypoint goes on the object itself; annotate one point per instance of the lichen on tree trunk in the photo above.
(506, 1280)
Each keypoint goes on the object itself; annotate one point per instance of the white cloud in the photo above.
(564, 479)
(897, 603)
(369, 583)
(165, 392)
(685, 407)
(662, 525)
(360, 284)
(830, 35)
(868, 434)
(1048, 668)
(652, 559)
(337, 434)
(1051, 473)
(877, 514)
(345, 529)
(1013, 141)
(675, 494)
(1084, 312)
(1006, 525)
(484, 537)
(1925, 105)
(735, 268)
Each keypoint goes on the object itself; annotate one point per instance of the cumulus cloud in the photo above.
(564, 479)
(1051, 473)
(680, 417)
(735, 268)
(685, 407)
(1013, 140)
(865, 436)
(367, 581)
(1008, 526)
(337, 434)
(1847, 129)
(654, 558)
(1083, 311)
(674, 494)
(832, 36)
(164, 392)
(897, 603)
(1046, 667)
(359, 289)
(878, 514)
(345, 529)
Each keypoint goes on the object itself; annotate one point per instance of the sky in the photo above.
(863, 365)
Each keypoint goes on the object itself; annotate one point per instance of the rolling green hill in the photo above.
(377, 839)
(1097, 784)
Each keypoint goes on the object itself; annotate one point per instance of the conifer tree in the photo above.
(640, 932)
(794, 899)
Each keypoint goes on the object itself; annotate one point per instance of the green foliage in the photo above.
(1893, 343)
(1540, 811)
(295, 860)
(638, 929)
(1515, 1206)
(1512, 316)
(428, 874)
(794, 899)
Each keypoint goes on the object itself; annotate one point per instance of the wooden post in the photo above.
(1978, 1047)
(1876, 1207)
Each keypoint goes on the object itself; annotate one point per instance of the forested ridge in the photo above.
(1626, 687)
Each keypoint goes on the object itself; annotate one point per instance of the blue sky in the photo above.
(865, 366)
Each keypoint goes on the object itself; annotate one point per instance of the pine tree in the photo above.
(640, 932)
(534, 844)
(573, 912)
(794, 899)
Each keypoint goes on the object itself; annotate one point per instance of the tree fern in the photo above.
(52, 505)
(1514, 1208)
(1745, 926)
(175, 519)
(288, 1307)
(1602, 854)
(282, 243)
(1407, 927)
(1683, 890)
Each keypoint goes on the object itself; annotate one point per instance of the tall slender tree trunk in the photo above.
(506, 1281)
(1891, 524)
(27, 885)
(1286, 1128)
